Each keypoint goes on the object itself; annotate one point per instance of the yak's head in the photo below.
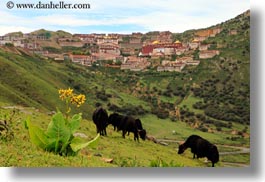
(214, 157)
(142, 134)
(182, 148)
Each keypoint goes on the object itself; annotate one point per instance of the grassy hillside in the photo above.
(31, 81)
(124, 152)
(39, 88)
(121, 152)
(211, 100)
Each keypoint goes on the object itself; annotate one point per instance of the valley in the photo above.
(211, 99)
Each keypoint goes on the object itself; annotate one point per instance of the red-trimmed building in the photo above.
(156, 47)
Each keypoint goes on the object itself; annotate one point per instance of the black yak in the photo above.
(116, 120)
(200, 148)
(100, 118)
(127, 124)
(133, 125)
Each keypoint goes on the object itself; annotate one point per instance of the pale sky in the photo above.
(121, 16)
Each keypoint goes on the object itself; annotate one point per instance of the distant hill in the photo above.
(57, 34)
(15, 33)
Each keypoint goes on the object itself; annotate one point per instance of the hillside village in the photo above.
(135, 52)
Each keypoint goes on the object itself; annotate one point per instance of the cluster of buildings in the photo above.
(177, 65)
(134, 52)
(21, 40)
(135, 63)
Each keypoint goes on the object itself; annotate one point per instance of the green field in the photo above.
(126, 152)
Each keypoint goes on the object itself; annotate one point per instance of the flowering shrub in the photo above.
(59, 136)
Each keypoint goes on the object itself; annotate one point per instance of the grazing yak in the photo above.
(100, 118)
(116, 120)
(127, 124)
(133, 125)
(200, 148)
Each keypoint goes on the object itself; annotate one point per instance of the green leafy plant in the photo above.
(59, 135)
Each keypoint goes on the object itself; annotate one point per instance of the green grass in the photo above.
(189, 101)
(20, 152)
(163, 129)
(124, 99)
(227, 149)
(242, 158)
(172, 100)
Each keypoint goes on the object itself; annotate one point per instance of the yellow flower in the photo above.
(70, 96)
(65, 93)
(78, 99)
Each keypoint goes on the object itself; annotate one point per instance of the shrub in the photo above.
(128, 109)
(59, 136)
(218, 128)
(160, 113)
(9, 44)
(102, 95)
(202, 128)
(173, 118)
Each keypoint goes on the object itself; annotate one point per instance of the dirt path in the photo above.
(241, 150)
(26, 110)
(235, 164)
